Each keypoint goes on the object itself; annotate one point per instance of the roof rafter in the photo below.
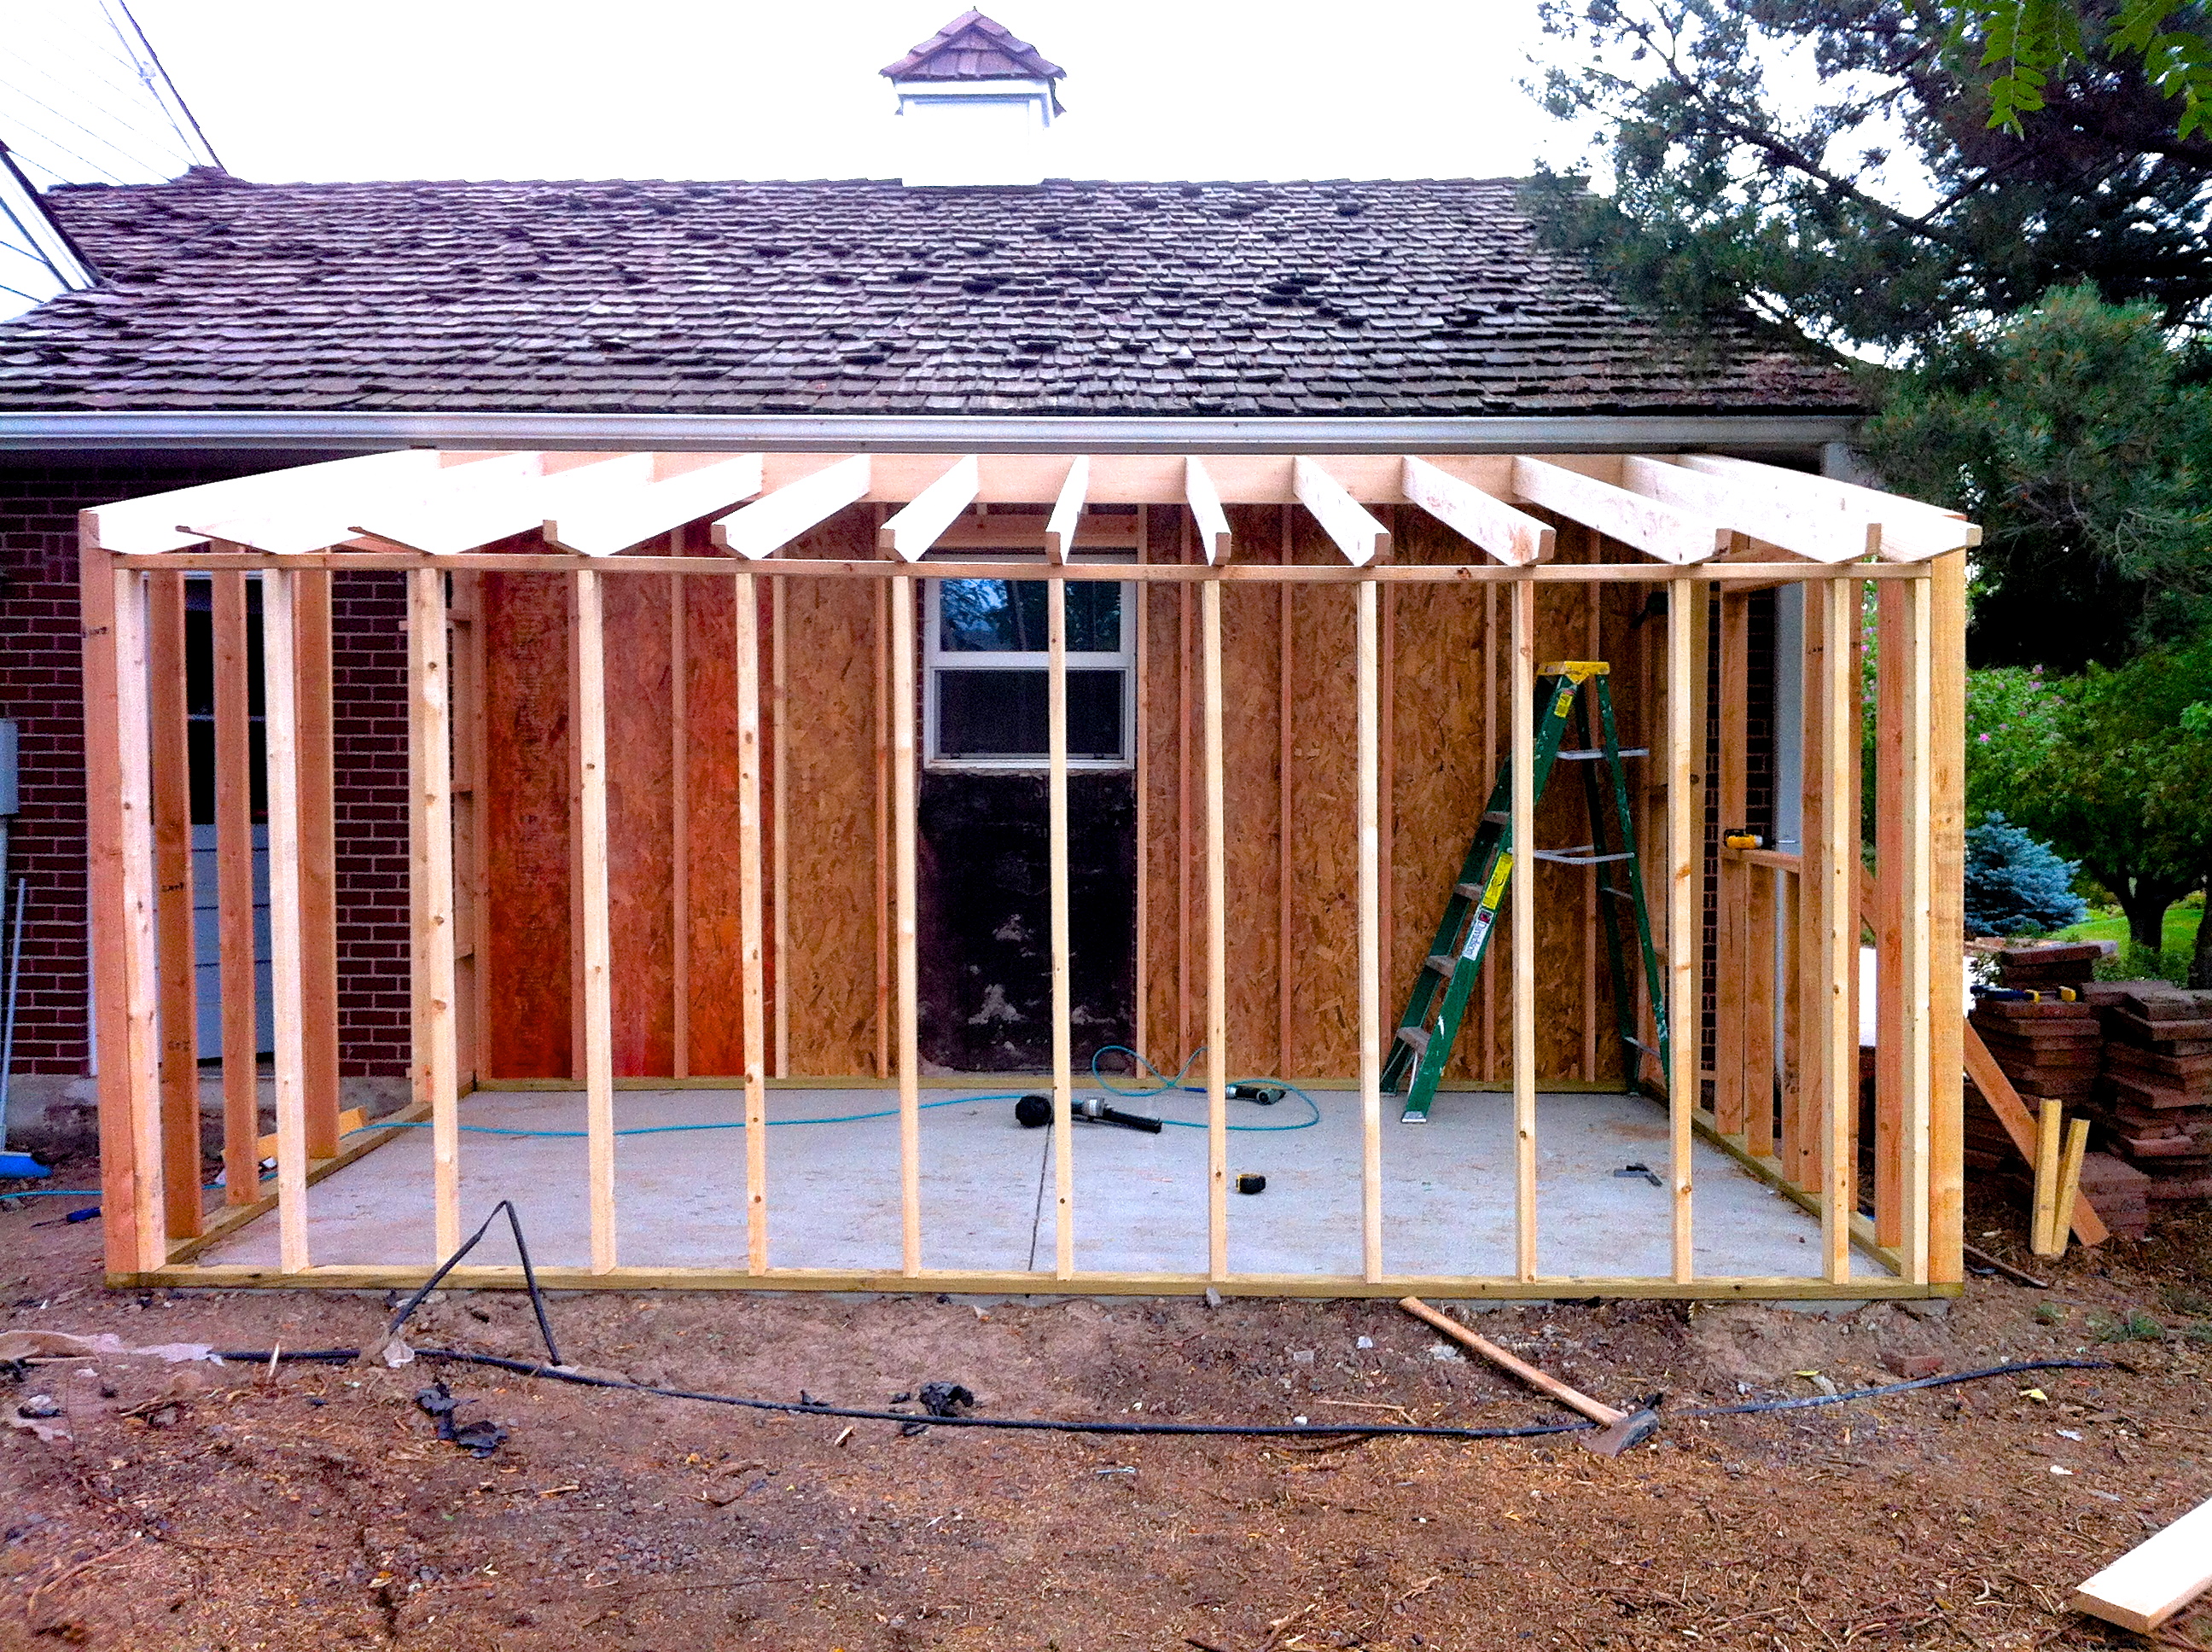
(766, 526)
(1356, 532)
(1513, 537)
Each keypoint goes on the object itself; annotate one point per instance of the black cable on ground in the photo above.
(554, 1371)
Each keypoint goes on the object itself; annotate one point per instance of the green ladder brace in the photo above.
(1423, 1045)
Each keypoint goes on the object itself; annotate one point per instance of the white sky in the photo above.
(738, 88)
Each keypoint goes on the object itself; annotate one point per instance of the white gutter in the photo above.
(955, 434)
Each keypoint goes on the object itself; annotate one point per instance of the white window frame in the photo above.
(935, 660)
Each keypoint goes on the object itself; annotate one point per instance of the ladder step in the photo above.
(1497, 818)
(1578, 857)
(1468, 891)
(1437, 964)
(1593, 756)
(1646, 1047)
(1416, 1037)
(1619, 894)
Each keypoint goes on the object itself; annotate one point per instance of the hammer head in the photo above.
(1632, 1429)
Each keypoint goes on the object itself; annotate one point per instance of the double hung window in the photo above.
(984, 673)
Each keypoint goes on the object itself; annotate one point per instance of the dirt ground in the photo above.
(204, 1506)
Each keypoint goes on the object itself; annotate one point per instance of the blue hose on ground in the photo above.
(1176, 1085)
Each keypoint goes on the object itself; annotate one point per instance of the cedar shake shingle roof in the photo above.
(971, 47)
(1389, 299)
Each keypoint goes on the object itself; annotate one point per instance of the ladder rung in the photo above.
(1619, 894)
(1579, 857)
(1468, 891)
(1417, 1037)
(1438, 964)
(1592, 756)
(1497, 818)
(1646, 1047)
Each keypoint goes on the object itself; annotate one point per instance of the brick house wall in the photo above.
(41, 674)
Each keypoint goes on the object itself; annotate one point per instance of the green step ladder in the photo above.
(1430, 1025)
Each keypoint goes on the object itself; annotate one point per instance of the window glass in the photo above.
(1007, 616)
(991, 713)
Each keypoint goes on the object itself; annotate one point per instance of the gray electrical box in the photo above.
(6, 765)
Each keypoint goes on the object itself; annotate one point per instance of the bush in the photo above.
(2015, 884)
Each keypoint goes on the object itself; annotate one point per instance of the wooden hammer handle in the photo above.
(1595, 1411)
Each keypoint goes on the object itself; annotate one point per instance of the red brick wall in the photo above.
(41, 666)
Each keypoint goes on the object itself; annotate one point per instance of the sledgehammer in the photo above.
(1618, 1430)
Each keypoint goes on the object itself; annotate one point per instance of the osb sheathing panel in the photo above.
(1168, 613)
(832, 683)
(525, 947)
(641, 823)
(714, 1000)
(1251, 671)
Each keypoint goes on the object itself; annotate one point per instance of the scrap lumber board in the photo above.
(2155, 1580)
(2011, 1113)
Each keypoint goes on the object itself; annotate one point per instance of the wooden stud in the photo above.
(280, 726)
(319, 854)
(1810, 957)
(902, 812)
(1915, 914)
(1368, 689)
(910, 533)
(1063, 1080)
(590, 714)
(1944, 937)
(779, 703)
(883, 810)
(120, 862)
(679, 825)
(1386, 778)
(233, 829)
(1884, 903)
(173, 906)
(430, 883)
(1491, 675)
(1685, 812)
(1522, 728)
(473, 915)
(1762, 895)
(2145, 1586)
(1217, 949)
(1349, 524)
(1837, 969)
(1513, 537)
(1142, 803)
(751, 964)
(1285, 838)
(1183, 701)
(2069, 1184)
(1060, 529)
(1732, 1082)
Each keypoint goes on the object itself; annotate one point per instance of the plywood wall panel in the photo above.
(831, 808)
(717, 1026)
(1251, 648)
(1324, 779)
(525, 946)
(641, 825)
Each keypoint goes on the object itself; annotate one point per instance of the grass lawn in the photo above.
(2111, 924)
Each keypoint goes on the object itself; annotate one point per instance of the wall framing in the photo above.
(567, 526)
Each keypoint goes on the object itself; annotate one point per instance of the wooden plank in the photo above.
(1491, 678)
(1513, 537)
(287, 1009)
(452, 523)
(780, 720)
(765, 526)
(1809, 959)
(910, 533)
(880, 915)
(1521, 726)
(233, 827)
(1217, 947)
(1762, 907)
(1908, 529)
(2070, 1182)
(1945, 934)
(1354, 531)
(1685, 812)
(615, 521)
(471, 918)
(903, 856)
(1837, 970)
(1185, 648)
(751, 962)
(1732, 1082)
(2049, 1117)
(1656, 530)
(1370, 940)
(430, 884)
(319, 852)
(1205, 503)
(1286, 833)
(1063, 1164)
(173, 906)
(2145, 1586)
(2020, 1125)
(151, 524)
(590, 714)
(1800, 526)
(1068, 510)
(119, 863)
(1883, 894)
(1142, 802)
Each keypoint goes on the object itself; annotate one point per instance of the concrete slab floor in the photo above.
(986, 1189)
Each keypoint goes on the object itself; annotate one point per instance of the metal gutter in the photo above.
(336, 433)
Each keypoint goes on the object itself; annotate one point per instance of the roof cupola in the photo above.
(977, 102)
